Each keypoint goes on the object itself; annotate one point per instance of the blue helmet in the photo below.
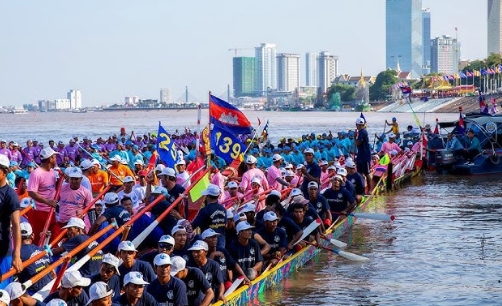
(394, 119)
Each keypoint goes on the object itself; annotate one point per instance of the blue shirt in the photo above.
(9, 203)
(196, 284)
(363, 149)
(146, 299)
(338, 200)
(454, 144)
(213, 216)
(139, 266)
(28, 251)
(119, 213)
(172, 293)
(314, 170)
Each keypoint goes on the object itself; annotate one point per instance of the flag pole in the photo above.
(209, 131)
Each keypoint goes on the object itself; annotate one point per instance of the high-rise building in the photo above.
(328, 69)
(266, 74)
(312, 69)
(494, 27)
(288, 72)
(426, 41)
(75, 97)
(445, 54)
(165, 95)
(244, 76)
(404, 35)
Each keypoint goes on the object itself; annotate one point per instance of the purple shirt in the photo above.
(28, 155)
(72, 152)
(6, 152)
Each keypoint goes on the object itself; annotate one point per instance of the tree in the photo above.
(335, 101)
(347, 93)
(383, 84)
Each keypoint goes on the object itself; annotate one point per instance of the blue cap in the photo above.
(128, 142)
(30, 164)
(394, 119)
(13, 163)
(135, 147)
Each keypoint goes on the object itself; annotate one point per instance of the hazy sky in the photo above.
(115, 48)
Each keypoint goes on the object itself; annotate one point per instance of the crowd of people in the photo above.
(250, 221)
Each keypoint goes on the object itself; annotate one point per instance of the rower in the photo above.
(232, 191)
(319, 203)
(127, 253)
(252, 172)
(15, 295)
(166, 289)
(300, 218)
(134, 294)
(108, 274)
(181, 246)
(74, 198)
(199, 291)
(275, 237)
(339, 199)
(213, 214)
(356, 179)
(165, 245)
(246, 251)
(311, 171)
(71, 290)
(100, 294)
(274, 175)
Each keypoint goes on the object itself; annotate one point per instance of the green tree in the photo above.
(493, 60)
(383, 84)
(347, 93)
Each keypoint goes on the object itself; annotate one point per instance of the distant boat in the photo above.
(79, 111)
(18, 111)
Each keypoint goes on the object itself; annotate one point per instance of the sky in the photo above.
(110, 49)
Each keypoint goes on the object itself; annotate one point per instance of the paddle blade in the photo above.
(339, 244)
(234, 285)
(381, 217)
(352, 256)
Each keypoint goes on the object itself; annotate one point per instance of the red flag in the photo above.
(436, 129)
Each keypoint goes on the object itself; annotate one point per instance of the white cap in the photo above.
(407, 149)
(56, 302)
(299, 167)
(276, 157)
(95, 162)
(289, 166)
(209, 233)
(4, 297)
(275, 193)
(177, 228)
(251, 160)
(127, 246)
(86, 164)
(98, 291)
(4, 161)
(47, 152)
(75, 222)
(177, 264)
(240, 217)
(391, 135)
(256, 180)
(74, 172)
(168, 172)
(15, 290)
(25, 202)
(350, 164)
(111, 198)
(230, 214)
(162, 259)
(110, 259)
(211, 190)
(181, 162)
(139, 162)
(242, 226)
(116, 158)
(342, 172)
(393, 152)
(160, 190)
(198, 246)
(159, 167)
(295, 192)
(134, 277)
(410, 143)
(232, 184)
(300, 199)
(337, 177)
(74, 279)
(248, 207)
(323, 163)
(26, 229)
(332, 167)
(270, 216)
(308, 151)
(312, 184)
(128, 179)
(167, 239)
(360, 121)
(289, 173)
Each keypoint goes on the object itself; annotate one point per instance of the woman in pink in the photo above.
(389, 145)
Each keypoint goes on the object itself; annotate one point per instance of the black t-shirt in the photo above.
(113, 283)
(289, 226)
(28, 251)
(358, 181)
(92, 266)
(311, 211)
(149, 257)
(146, 299)
(213, 275)
(363, 149)
(119, 213)
(276, 239)
(196, 284)
(226, 262)
(139, 266)
(338, 200)
(307, 220)
(184, 253)
(9, 203)
(213, 216)
(173, 293)
(314, 170)
(247, 256)
(79, 300)
(321, 206)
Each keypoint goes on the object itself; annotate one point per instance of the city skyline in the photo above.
(128, 48)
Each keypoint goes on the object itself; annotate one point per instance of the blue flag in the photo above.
(362, 116)
(225, 144)
(166, 148)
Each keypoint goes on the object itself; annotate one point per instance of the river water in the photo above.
(444, 248)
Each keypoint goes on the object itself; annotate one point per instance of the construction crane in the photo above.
(237, 49)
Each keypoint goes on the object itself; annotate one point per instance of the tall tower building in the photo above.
(404, 35)
(244, 76)
(75, 97)
(445, 54)
(426, 41)
(288, 72)
(266, 74)
(328, 69)
(494, 27)
(165, 95)
(312, 69)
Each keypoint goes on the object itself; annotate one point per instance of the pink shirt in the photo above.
(218, 180)
(387, 147)
(44, 183)
(272, 174)
(182, 178)
(324, 180)
(260, 205)
(226, 195)
(72, 202)
(249, 175)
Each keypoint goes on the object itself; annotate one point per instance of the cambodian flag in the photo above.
(406, 89)
(223, 113)
(461, 125)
